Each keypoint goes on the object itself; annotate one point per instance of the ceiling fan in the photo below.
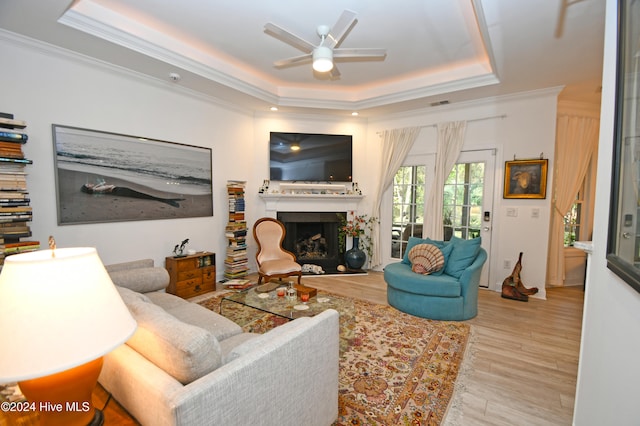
(322, 55)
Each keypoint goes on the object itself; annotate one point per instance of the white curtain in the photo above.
(396, 144)
(576, 142)
(450, 140)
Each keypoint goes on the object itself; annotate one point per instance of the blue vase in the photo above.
(354, 257)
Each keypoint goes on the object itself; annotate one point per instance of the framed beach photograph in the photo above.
(110, 177)
(525, 179)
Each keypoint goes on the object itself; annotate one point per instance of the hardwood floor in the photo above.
(525, 355)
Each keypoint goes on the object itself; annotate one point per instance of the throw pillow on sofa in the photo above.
(426, 259)
(414, 241)
(444, 246)
(182, 350)
(463, 253)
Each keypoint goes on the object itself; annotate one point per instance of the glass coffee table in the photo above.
(281, 306)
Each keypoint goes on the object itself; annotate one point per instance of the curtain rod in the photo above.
(468, 121)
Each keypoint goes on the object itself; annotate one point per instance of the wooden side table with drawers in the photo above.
(191, 275)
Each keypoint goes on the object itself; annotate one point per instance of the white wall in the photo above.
(527, 131)
(44, 86)
(609, 371)
(52, 86)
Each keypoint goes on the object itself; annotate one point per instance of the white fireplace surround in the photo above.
(275, 203)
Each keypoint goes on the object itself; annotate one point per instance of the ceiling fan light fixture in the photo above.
(322, 59)
(295, 146)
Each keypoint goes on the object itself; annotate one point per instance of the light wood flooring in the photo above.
(524, 354)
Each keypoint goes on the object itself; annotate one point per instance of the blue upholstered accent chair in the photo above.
(450, 294)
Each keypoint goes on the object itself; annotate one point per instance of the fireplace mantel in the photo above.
(275, 202)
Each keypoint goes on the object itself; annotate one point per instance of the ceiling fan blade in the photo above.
(344, 24)
(359, 53)
(335, 72)
(292, 61)
(288, 37)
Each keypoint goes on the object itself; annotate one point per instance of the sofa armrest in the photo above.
(291, 380)
(125, 266)
(470, 278)
(139, 385)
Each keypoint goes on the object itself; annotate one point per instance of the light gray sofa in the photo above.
(187, 365)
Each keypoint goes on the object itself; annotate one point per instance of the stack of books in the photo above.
(236, 264)
(15, 210)
(238, 284)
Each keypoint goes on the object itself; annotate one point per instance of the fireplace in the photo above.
(313, 237)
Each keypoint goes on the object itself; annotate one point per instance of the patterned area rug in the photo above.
(397, 369)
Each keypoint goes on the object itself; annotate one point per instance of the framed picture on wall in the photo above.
(110, 177)
(525, 179)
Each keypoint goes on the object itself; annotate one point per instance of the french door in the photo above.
(468, 202)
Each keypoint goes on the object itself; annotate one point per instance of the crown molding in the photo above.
(94, 19)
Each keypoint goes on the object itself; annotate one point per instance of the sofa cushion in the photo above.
(426, 258)
(462, 256)
(194, 314)
(142, 280)
(182, 350)
(258, 340)
(400, 276)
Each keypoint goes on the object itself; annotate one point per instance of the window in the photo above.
(572, 221)
(463, 194)
(408, 207)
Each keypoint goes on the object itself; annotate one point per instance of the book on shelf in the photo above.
(236, 262)
(13, 202)
(236, 252)
(13, 195)
(237, 283)
(15, 160)
(22, 244)
(15, 218)
(235, 275)
(21, 247)
(236, 233)
(11, 135)
(10, 122)
(16, 209)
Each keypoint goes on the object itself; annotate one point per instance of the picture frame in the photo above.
(525, 179)
(110, 177)
(623, 240)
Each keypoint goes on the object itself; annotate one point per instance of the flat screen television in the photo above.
(310, 157)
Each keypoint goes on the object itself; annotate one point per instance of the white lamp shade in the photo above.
(57, 312)
(322, 59)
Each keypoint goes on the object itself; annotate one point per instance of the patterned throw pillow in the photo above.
(426, 259)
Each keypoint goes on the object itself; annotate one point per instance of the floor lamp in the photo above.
(59, 314)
